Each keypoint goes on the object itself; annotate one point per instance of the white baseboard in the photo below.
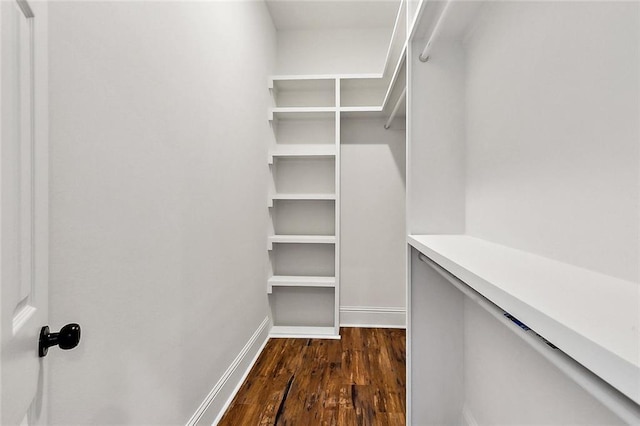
(373, 316)
(467, 417)
(217, 401)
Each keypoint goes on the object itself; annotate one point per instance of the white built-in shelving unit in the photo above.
(304, 194)
(523, 199)
(304, 206)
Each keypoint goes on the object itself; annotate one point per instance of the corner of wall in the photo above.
(219, 398)
(330, 51)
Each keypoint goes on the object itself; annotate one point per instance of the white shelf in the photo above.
(326, 150)
(300, 239)
(300, 281)
(280, 78)
(397, 72)
(303, 332)
(594, 318)
(396, 53)
(365, 108)
(308, 197)
(302, 83)
(288, 113)
(361, 111)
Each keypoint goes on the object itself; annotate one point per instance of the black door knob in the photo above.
(67, 338)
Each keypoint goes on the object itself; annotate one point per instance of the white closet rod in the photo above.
(396, 108)
(424, 56)
(623, 407)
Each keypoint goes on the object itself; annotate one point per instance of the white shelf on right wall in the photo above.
(592, 317)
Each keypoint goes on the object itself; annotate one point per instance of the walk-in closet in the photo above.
(320, 212)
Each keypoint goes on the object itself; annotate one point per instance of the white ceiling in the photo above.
(327, 14)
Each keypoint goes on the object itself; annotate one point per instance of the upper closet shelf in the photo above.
(291, 79)
(398, 80)
(302, 82)
(592, 317)
(361, 95)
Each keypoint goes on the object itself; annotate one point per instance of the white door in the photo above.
(24, 212)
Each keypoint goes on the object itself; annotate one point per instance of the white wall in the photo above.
(158, 199)
(553, 131)
(332, 51)
(373, 240)
(552, 168)
(436, 203)
(436, 350)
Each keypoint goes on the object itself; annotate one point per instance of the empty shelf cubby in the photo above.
(303, 217)
(303, 92)
(304, 175)
(303, 307)
(303, 259)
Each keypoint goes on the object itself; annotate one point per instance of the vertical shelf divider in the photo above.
(337, 210)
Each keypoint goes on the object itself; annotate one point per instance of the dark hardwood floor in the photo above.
(358, 380)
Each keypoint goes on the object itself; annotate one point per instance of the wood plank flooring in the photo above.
(358, 380)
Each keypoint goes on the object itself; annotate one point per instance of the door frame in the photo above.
(37, 13)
